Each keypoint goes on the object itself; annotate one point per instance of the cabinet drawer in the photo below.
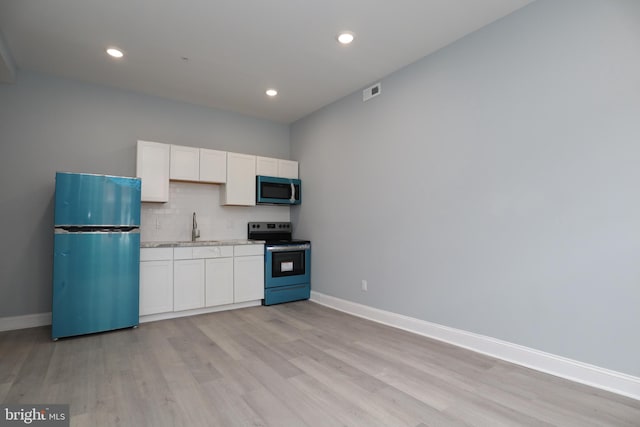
(212, 251)
(246, 250)
(182, 253)
(156, 254)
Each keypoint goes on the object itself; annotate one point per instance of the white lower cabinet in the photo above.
(218, 281)
(156, 280)
(248, 281)
(248, 267)
(188, 284)
(188, 278)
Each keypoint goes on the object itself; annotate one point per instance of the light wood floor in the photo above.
(297, 364)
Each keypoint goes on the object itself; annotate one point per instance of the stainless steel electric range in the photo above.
(287, 270)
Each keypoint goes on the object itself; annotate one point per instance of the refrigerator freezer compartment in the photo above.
(96, 200)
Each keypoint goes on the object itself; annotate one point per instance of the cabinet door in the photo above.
(156, 287)
(240, 188)
(152, 166)
(248, 280)
(218, 281)
(288, 169)
(266, 166)
(185, 163)
(213, 166)
(188, 284)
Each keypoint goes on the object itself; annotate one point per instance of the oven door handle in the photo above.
(288, 248)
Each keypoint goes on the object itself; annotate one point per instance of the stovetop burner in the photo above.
(274, 233)
(286, 242)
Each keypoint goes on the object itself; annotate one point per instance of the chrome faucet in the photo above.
(195, 233)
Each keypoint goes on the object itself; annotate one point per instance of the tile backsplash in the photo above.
(171, 221)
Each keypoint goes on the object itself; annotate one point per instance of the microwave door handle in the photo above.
(293, 193)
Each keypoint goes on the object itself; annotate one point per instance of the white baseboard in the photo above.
(43, 319)
(195, 312)
(559, 366)
(26, 321)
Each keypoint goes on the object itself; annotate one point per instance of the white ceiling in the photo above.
(235, 48)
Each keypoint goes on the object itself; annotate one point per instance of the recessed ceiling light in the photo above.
(116, 53)
(346, 37)
(271, 92)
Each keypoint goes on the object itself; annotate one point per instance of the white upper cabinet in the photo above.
(152, 166)
(287, 169)
(269, 166)
(198, 164)
(185, 163)
(213, 166)
(240, 188)
(158, 163)
(266, 166)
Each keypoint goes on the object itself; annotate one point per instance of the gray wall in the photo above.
(49, 124)
(493, 186)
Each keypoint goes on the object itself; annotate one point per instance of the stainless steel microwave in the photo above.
(271, 190)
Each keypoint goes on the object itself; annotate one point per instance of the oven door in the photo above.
(287, 264)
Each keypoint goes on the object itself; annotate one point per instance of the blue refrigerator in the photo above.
(96, 259)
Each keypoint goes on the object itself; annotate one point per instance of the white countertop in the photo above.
(189, 243)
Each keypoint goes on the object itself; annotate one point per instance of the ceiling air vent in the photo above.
(371, 91)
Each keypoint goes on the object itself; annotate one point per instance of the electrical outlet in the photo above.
(365, 285)
(157, 223)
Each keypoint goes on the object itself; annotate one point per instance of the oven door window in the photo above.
(287, 264)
